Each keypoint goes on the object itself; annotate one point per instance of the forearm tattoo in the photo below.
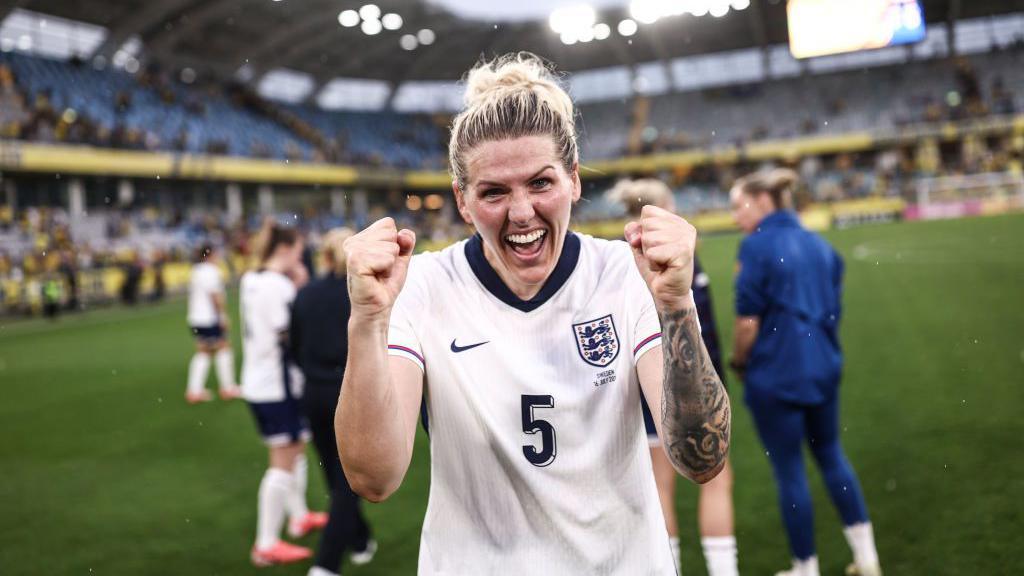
(695, 413)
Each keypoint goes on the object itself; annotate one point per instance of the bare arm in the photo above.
(376, 418)
(744, 334)
(679, 377)
(695, 411)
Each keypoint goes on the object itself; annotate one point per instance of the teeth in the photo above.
(526, 238)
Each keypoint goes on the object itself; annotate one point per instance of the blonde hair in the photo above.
(333, 253)
(635, 194)
(778, 183)
(512, 96)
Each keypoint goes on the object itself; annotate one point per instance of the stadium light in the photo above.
(391, 21)
(371, 27)
(574, 18)
(647, 11)
(408, 42)
(699, 7)
(369, 12)
(568, 37)
(719, 8)
(627, 27)
(740, 4)
(348, 18)
(586, 35)
(602, 31)
(426, 36)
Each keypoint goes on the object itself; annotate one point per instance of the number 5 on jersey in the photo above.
(546, 453)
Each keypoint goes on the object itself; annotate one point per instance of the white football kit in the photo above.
(539, 460)
(267, 376)
(205, 281)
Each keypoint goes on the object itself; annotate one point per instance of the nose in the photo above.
(521, 210)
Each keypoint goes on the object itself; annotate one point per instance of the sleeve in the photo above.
(646, 328)
(751, 298)
(403, 340)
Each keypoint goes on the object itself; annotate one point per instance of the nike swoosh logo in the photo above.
(456, 348)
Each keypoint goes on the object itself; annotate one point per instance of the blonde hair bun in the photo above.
(633, 195)
(512, 96)
(512, 75)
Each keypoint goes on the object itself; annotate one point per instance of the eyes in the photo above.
(541, 184)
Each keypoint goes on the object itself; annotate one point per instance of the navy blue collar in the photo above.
(780, 219)
(490, 279)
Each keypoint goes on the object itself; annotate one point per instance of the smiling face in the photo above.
(519, 197)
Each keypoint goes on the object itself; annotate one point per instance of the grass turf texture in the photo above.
(107, 471)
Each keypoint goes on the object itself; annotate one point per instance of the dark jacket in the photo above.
(319, 330)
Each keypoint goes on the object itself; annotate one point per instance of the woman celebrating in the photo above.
(714, 508)
(786, 348)
(271, 385)
(530, 344)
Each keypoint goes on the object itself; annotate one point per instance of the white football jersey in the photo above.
(267, 373)
(204, 282)
(539, 460)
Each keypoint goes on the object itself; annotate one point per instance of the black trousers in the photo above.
(346, 528)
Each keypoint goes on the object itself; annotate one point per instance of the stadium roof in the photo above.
(431, 39)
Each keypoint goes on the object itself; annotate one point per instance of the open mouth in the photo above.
(526, 245)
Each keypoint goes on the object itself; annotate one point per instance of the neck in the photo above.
(275, 265)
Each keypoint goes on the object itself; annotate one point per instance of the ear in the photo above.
(577, 186)
(460, 202)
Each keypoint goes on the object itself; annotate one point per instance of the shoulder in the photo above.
(605, 254)
(437, 266)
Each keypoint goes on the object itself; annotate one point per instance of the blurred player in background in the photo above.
(319, 340)
(208, 320)
(714, 508)
(788, 305)
(272, 386)
(532, 344)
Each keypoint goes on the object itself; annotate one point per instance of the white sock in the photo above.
(673, 544)
(720, 555)
(274, 489)
(198, 368)
(318, 571)
(225, 363)
(808, 567)
(297, 508)
(861, 538)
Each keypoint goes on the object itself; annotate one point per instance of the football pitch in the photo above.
(106, 470)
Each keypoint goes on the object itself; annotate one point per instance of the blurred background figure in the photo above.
(272, 386)
(715, 507)
(786, 350)
(208, 320)
(319, 339)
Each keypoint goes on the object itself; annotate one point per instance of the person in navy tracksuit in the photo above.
(715, 507)
(786, 349)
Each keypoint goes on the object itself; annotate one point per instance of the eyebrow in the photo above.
(535, 174)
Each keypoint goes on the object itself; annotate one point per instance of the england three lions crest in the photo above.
(597, 341)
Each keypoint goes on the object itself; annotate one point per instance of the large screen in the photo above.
(821, 27)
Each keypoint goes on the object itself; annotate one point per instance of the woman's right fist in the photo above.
(377, 260)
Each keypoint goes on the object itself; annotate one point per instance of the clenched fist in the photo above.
(378, 259)
(663, 246)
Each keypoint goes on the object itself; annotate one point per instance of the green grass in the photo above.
(105, 470)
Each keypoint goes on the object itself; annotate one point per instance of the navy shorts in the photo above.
(208, 334)
(280, 423)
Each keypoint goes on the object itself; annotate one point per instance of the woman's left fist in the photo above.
(663, 246)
